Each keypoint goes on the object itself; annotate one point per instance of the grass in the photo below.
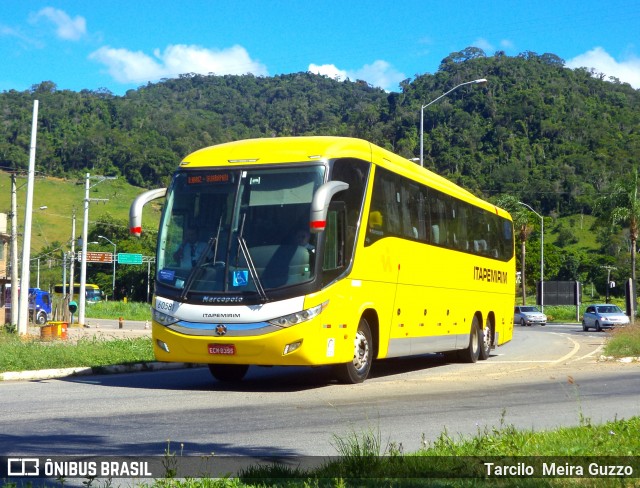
(27, 354)
(581, 228)
(113, 310)
(364, 460)
(624, 342)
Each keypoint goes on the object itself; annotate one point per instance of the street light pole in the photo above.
(82, 298)
(113, 284)
(23, 300)
(480, 81)
(541, 255)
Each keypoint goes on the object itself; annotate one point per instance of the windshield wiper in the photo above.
(215, 251)
(199, 264)
(242, 245)
(195, 271)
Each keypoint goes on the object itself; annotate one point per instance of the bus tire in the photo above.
(485, 340)
(228, 373)
(357, 370)
(472, 352)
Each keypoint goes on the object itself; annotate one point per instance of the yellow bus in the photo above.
(324, 251)
(92, 292)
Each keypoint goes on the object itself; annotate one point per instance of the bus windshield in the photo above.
(238, 231)
(93, 294)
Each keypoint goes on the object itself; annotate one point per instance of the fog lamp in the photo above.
(162, 345)
(289, 348)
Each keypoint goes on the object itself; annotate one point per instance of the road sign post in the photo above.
(99, 257)
(129, 258)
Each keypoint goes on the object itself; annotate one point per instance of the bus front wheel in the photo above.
(357, 370)
(228, 373)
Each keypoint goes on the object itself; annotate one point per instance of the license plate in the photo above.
(222, 349)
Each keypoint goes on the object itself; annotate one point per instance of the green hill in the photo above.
(62, 197)
(552, 137)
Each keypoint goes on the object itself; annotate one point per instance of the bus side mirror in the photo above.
(135, 211)
(320, 204)
(73, 306)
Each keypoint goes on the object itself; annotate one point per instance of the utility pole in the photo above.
(608, 268)
(14, 252)
(82, 298)
(23, 317)
(73, 260)
(83, 263)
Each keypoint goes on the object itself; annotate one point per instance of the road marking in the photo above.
(597, 350)
(576, 348)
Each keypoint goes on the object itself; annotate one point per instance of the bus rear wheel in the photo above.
(357, 370)
(228, 373)
(485, 340)
(472, 352)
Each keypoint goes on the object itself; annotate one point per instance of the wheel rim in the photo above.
(361, 352)
(486, 337)
(475, 341)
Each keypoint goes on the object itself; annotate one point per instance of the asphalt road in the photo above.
(545, 378)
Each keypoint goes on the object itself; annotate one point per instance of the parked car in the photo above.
(603, 316)
(528, 315)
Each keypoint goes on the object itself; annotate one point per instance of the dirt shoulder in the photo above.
(94, 328)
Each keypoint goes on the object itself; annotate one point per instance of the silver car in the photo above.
(603, 316)
(528, 315)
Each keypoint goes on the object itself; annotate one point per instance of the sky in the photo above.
(121, 45)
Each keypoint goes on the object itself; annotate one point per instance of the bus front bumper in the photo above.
(309, 343)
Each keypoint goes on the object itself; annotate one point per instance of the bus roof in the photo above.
(317, 148)
(278, 150)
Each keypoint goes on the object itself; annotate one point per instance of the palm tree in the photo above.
(621, 206)
(523, 227)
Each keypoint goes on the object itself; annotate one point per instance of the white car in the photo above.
(603, 316)
(528, 315)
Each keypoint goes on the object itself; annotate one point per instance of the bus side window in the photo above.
(435, 234)
(335, 242)
(438, 208)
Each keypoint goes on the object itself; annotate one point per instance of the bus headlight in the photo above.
(298, 317)
(163, 318)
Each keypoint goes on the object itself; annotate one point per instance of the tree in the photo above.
(522, 223)
(622, 207)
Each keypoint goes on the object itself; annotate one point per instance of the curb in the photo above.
(47, 374)
(629, 359)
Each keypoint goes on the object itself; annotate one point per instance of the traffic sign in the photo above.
(129, 258)
(99, 257)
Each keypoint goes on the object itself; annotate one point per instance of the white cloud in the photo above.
(133, 67)
(126, 66)
(627, 70)
(485, 45)
(507, 44)
(379, 73)
(328, 70)
(66, 27)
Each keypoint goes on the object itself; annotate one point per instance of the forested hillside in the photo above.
(551, 136)
(537, 132)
